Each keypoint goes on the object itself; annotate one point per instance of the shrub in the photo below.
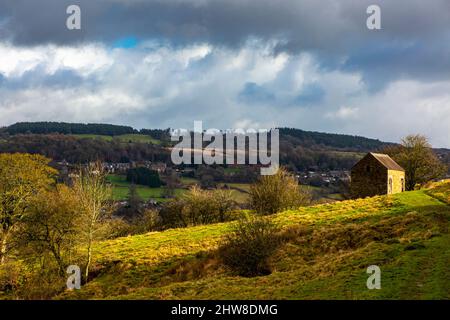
(224, 204)
(274, 193)
(196, 207)
(199, 207)
(247, 249)
(36, 279)
(42, 284)
(115, 228)
(11, 277)
(171, 214)
(148, 221)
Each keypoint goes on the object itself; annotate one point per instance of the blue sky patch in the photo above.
(126, 43)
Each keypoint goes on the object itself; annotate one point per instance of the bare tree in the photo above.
(94, 195)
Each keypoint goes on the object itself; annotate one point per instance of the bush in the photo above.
(247, 249)
(148, 221)
(40, 281)
(171, 214)
(277, 192)
(11, 277)
(199, 207)
(224, 204)
(196, 207)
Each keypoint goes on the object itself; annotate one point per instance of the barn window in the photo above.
(403, 184)
(368, 169)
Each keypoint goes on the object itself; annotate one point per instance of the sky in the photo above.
(308, 64)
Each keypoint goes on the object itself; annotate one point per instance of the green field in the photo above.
(240, 186)
(189, 181)
(232, 170)
(120, 189)
(123, 138)
(329, 249)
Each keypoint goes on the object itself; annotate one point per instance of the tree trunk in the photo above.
(3, 248)
(89, 257)
(59, 260)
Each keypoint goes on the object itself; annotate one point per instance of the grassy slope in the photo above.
(329, 250)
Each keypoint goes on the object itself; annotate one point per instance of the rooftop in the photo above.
(387, 161)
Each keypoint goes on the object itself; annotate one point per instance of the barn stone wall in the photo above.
(368, 178)
(397, 177)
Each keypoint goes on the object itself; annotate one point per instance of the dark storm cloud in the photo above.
(413, 41)
(379, 62)
(304, 24)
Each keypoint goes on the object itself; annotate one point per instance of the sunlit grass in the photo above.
(326, 256)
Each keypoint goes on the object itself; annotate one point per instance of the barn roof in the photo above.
(387, 161)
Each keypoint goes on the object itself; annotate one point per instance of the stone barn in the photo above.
(376, 174)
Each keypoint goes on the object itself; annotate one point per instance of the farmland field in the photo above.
(120, 189)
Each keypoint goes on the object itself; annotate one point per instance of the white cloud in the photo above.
(343, 113)
(85, 60)
(161, 86)
(16, 61)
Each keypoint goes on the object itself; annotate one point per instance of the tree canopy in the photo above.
(22, 177)
(416, 156)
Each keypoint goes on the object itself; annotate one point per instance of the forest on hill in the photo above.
(307, 138)
(82, 150)
(68, 128)
(299, 149)
(338, 141)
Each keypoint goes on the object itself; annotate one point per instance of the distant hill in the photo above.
(69, 128)
(306, 138)
(84, 148)
(333, 140)
(299, 149)
(307, 150)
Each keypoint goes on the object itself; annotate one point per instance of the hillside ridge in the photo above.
(326, 256)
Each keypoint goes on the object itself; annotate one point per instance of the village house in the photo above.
(112, 167)
(376, 174)
(160, 167)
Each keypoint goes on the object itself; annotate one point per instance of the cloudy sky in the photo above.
(307, 64)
